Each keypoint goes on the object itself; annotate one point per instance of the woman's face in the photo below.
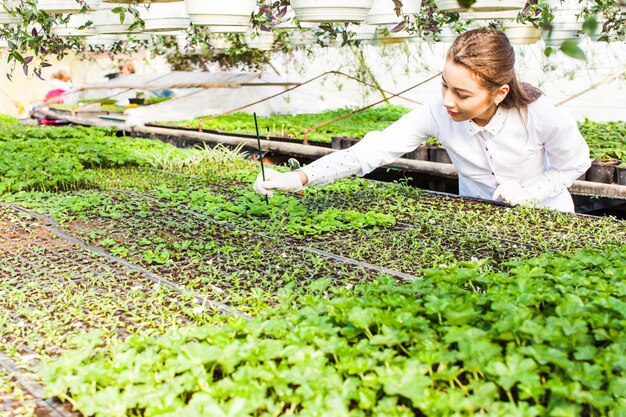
(463, 96)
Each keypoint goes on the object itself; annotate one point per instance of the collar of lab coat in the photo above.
(494, 126)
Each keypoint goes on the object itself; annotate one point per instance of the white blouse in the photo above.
(540, 147)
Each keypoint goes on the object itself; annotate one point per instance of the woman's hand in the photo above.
(513, 193)
(281, 181)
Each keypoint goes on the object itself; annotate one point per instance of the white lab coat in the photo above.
(540, 147)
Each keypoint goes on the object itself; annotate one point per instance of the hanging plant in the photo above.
(199, 54)
(32, 39)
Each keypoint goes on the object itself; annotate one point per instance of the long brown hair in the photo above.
(489, 54)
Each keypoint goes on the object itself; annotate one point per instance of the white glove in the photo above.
(513, 193)
(274, 180)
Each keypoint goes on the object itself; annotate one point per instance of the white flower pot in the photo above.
(140, 1)
(229, 29)
(219, 12)
(489, 16)
(220, 43)
(108, 23)
(71, 28)
(518, 33)
(383, 13)
(522, 34)
(264, 41)
(59, 6)
(92, 4)
(6, 18)
(363, 32)
(566, 24)
(447, 35)
(185, 48)
(177, 32)
(164, 17)
(331, 10)
(302, 37)
(105, 41)
(481, 5)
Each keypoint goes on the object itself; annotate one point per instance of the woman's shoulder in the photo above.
(545, 110)
(543, 103)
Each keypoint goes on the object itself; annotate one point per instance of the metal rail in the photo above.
(44, 408)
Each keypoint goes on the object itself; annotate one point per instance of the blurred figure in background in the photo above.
(61, 83)
(123, 69)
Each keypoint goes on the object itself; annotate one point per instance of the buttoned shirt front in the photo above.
(539, 146)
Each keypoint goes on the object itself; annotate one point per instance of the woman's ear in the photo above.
(501, 94)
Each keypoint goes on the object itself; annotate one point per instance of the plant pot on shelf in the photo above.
(331, 10)
(602, 170)
(439, 154)
(341, 142)
(620, 174)
(136, 100)
(419, 154)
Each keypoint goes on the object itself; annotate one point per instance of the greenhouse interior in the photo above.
(313, 208)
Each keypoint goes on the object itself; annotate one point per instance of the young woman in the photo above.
(507, 141)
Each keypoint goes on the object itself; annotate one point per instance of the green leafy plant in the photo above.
(540, 339)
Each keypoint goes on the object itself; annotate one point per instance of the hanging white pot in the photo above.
(481, 5)
(6, 17)
(141, 1)
(288, 21)
(220, 13)
(92, 4)
(596, 36)
(331, 10)
(163, 17)
(263, 41)
(447, 34)
(136, 36)
(302, 37)
(71, 28)
(107, 22)
(177, 32)
(220, 44)
(518, 33)
(229, 29)
(363, 32)
(383, 13)
(521, 33)
(185, 48)
(59, 6)
(489, 16)
(566, 24)
(104, 41)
